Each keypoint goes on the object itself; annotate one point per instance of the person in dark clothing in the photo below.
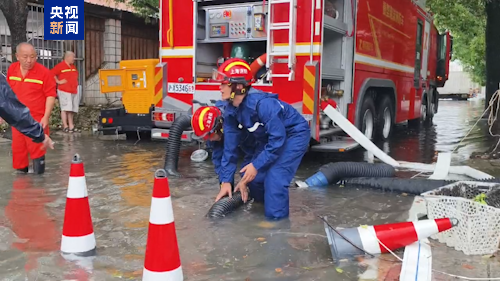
(18, 116)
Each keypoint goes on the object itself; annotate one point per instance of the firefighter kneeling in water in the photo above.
(207, 124)
(281, 135)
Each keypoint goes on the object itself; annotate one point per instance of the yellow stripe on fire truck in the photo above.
(301, 49)
(373, 61)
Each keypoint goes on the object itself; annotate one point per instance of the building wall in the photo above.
(139, 42)
(122, 40)
(108, 47)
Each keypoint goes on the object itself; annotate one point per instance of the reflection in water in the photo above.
(243, 245)
(453, 122)
(135, 178)
(34, 227)
(83, 267)
(450, 126)
(136, 182)
(414, 145)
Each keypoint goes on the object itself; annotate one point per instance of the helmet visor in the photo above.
(219, 77)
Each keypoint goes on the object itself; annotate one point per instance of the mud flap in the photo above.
(39, 165)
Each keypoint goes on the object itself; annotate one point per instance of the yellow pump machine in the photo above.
(143, 89)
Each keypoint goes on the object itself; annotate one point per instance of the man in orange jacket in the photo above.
(66, 77)
(35, 87)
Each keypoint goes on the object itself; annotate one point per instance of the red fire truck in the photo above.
(380, 60)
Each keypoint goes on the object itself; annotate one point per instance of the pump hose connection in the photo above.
(173, 147)
(331, 173)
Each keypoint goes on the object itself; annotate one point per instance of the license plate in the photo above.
(180, 88)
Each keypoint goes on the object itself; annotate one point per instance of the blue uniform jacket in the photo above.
(217, 147)
(269, 120)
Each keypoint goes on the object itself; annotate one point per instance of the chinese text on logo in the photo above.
(64, 20)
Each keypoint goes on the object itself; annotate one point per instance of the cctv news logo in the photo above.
(63, 20)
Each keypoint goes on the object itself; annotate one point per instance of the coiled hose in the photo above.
(333, 172)
(410, 186)
(225, 205)
(174, 144)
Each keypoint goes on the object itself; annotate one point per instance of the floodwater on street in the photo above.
(241, 246)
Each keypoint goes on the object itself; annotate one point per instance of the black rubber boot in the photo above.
(24, 170)
(39, 165)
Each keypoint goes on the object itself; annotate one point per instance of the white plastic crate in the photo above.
(478, 229)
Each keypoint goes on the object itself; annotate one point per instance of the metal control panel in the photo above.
(232, 23)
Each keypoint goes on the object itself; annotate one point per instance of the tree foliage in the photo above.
(16, 15)
(466, 20)
(145, 8)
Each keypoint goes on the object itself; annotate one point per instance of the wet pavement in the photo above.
(242, 246)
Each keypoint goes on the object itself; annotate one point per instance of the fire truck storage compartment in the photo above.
(333, 47)
(229, 30)
(335, 29)
(337, 56)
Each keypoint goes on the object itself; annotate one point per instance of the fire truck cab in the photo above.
(381, 61)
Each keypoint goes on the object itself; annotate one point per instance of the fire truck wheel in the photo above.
(425, 115)
(368, 117)
(385, 119)
(436, 101)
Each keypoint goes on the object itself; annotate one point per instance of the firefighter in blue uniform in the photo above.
(281, 134)
(207, 124)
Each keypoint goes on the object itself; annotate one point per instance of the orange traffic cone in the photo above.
(369, 239)
(78, 233)
(162, 261)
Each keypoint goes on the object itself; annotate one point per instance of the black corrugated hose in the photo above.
(333, 172)
(173, 148)
(410, 186)
(339, 170)
(225, 205)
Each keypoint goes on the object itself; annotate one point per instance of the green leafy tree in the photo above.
(16, 15)
(475, 27)
(466, 20)
(145, 8)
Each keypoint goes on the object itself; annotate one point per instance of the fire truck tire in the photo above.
(367, 120)
(436, 100)
(426, 116)
(385, 118)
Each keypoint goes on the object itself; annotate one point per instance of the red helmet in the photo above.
(234, 71)
(206, 121)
